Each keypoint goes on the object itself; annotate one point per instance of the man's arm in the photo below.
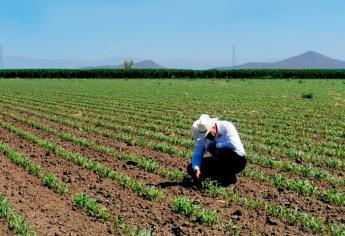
(198, 153)
(231, 139)
(226, 144)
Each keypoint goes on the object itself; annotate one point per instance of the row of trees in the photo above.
(169, 73)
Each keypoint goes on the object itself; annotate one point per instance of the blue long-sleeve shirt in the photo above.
(227, 137)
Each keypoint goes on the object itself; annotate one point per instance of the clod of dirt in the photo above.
(268, 195)
(280, 189)
(221, 201)
(237, 213)
(129, 143)
(270, 221)
(71, 180)
(132, 163)
(64, 178)
(177, 230)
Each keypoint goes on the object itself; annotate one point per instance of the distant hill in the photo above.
(146, 64)
(17, 62)
(307, 60)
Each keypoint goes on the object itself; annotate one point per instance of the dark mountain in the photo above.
(307, 60)
(147, 64)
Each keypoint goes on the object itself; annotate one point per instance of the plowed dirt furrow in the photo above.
(246, 186)
(4, 228)
(124, 203)
(47, 212)
(166, 159)
(173, 189)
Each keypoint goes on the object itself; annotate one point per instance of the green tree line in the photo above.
(171, 73)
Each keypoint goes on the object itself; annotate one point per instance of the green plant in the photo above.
(307, 95)
(232, 228)
(143, 232)
(16, 222)
(185, 206)
(208, 217)
(152, 193)
(83, 201)
(213, 189)
(54, 183)
(34, 169)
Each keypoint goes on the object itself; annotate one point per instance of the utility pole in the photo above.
(1, 58)
(233, 56)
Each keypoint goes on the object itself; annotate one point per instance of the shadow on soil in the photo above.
(187, 183)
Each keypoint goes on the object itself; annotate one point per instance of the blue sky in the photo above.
(165, 30)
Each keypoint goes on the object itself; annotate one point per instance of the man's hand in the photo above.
(196, 177)
(197, 173)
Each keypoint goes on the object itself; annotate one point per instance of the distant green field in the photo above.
(293, 132)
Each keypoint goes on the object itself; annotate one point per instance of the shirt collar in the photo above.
(218, 129)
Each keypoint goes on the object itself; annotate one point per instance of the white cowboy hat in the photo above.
(203, 126)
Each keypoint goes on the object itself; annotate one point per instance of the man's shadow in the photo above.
(185, 183)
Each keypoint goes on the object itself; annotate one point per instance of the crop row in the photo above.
(16, 221)
(174, 110)
(91, 206)
(271, 143)
(152, 166)
(146, 191)
(185, 123)
(303, 170)
(142, 162)
(291, 153)
(185, 206)
(51, 181)
(290, 215)
(47, 179)
(118, 136)
(307, 171)
(302, 187)
(332, 195)
(149, 192)
(177, 108)
(215, 191)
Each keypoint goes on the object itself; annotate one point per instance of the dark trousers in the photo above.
(222, 168)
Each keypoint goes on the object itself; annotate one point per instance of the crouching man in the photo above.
(221, 140)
